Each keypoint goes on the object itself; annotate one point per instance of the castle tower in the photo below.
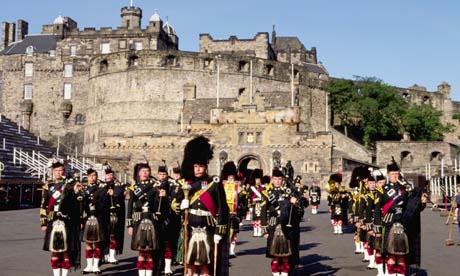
(131, 17)
(155, 22)
(444, 88)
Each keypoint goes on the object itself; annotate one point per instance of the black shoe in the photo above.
(85, 272)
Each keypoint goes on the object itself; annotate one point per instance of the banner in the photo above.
(231, 194)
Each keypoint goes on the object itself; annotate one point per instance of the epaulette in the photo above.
(45, 186)
(363, 196)
(371, 196)
(379, 189)
(181, 181)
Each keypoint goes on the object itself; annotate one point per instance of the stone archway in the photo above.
(247, 163)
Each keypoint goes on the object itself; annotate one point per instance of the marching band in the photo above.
(193, 219)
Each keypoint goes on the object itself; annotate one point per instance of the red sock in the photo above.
(140, 265)
(401, 269)
(274, 267)
(149, 265)
(89, 253)
(97, 253)
(392, 268)
(55, 263)
(285, 267)
(168, 250)
(66, 264)
(378, 259)
(113, 244)
(370, 251)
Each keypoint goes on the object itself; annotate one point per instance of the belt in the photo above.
(201, 213)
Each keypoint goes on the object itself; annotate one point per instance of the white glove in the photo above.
(184, 204)
(217, 238)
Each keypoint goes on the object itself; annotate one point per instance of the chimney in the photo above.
(11, 32)
(23, 29)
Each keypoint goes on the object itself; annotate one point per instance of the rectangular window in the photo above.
(122, 44)
(138, 46)
(105, 48)
(73, 50)
(28, 92)
(67, 91)
(68, 70)
(29, 69)
(89, 45)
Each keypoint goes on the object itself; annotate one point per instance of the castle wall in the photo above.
(414, 156)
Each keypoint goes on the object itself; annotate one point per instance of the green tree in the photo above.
(423, 123)
(342, 100)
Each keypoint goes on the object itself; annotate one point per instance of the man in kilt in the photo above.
(60, 220)
(398, 205)
(207, 213)
(142, 218)
(337, 202)
(96, 214)
(315, 197)
(117, 217)
(368, 221)
(282, 226)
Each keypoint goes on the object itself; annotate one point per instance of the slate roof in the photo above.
(41, 44)
(286, 44)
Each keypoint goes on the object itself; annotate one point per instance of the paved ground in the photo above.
(322, 253)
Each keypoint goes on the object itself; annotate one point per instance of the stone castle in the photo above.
(129, 94)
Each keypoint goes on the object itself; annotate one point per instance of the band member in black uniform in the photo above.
(169, 231)
(379, 262)
(60, 220)
(229, 173)
(257, 204)
(315, 197)
(208, 212)
(142, 217)
(338, 201)
(96, 208)
(117, 216)
(368, 221)
(282, 228)
(393, 204)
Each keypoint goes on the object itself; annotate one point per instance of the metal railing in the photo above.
(37, 164)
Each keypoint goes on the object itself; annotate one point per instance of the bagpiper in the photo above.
(206, 213)
(315, 197)
(169, 230)
(142, 218)
(96, 214)
(117, 216)
(282, 225)
(370, 198)
(394, 206)
(258, 205)
(60, 220)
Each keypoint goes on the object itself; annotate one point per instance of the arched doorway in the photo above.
(248, 163)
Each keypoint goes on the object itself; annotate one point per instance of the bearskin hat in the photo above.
(379, 177)
(196, 151)
(337, 177)
(371, 178)
(266, 179)
(256, 173)
(176, 170)
(358, 174)
(108, 170)
(228, 169)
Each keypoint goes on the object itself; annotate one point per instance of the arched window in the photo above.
(103, 66)
(243, 66)
(133, 61)
(269, 70)
(276, 156)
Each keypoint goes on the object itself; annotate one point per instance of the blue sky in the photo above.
(401, 42)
